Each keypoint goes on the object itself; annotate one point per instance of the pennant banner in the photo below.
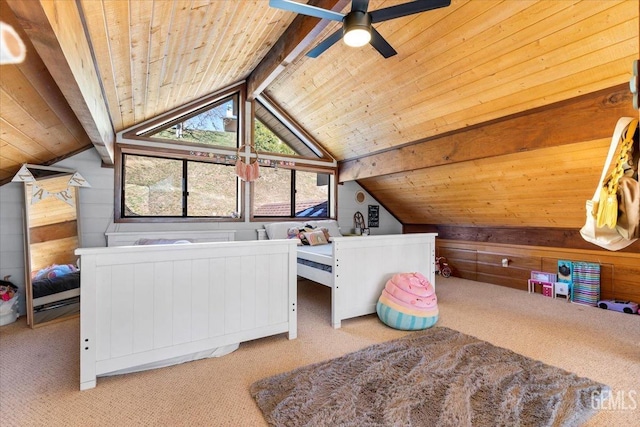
(39, 193)
(78, 180)
(65, 196)
(23, 175)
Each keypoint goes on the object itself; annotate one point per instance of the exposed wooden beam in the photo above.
(56, 30)
(301, 33)
(584, 118)
(36, 72)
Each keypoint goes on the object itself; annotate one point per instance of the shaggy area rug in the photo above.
(436, 377)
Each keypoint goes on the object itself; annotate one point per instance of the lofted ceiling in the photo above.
(96, 67)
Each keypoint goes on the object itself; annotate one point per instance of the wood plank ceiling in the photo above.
(457, 68)
(469, 63)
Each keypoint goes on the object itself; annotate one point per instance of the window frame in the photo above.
(134, 141)
(272, 107)
(331, 197)
(121, 151)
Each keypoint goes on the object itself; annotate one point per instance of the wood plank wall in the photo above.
(479, 258)
(514, 208)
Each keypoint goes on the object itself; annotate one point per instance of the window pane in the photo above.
(212, 190)
(272, 193)
(312, 194)
(217, 125)
(267, 141)
(153, 187)
(273, 136)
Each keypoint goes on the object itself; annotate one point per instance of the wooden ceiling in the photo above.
(95, 67)
(469, 63)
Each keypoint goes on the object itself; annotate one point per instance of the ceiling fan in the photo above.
(356, 25)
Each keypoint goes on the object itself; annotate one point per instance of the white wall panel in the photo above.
(348, 206)
(96, 216)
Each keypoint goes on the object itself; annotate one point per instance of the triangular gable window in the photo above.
(275, 134)
(212, 124)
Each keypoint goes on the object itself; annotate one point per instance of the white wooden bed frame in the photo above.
(361, 266)
(143, 305)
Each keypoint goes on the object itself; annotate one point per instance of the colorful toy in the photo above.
(7, 289)
(442, 267)
(563, 289)
(628, 307)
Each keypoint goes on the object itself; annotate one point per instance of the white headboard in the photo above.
(128, 238)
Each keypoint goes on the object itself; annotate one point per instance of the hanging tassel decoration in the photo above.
(608, 204)
(247, 172)
(607, 209)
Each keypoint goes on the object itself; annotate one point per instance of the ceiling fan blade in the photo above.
(361, 5)
(325, 44)
(405, 9)
(381, 44)
(306, 9)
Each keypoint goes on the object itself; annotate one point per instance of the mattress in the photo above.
(320, 256)
(44, 287)
(325, 250)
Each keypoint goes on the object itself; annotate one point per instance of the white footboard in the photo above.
(145, 304)
(362, 266)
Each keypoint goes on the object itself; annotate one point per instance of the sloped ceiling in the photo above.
(469, 63)
(457, 68)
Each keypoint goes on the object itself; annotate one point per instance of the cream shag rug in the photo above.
(436, 377)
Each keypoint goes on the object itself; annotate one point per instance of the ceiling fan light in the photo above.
(357, 37)
(357, 29)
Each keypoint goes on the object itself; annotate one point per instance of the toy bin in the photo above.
(9, 310)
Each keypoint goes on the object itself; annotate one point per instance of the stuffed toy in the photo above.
(408, 302)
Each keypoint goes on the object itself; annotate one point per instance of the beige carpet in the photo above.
(39, 369)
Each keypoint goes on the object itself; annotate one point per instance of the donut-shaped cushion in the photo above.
(408, 302)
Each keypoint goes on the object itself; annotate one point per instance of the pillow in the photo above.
(161, 241)
(330, 224)
(326, 233)
(316, 237)
(279, 230)
(302, 234)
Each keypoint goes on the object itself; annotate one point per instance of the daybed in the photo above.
(148, 306)
(356, 268)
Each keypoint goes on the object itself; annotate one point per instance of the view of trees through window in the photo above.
(266, 141)
(216, 126)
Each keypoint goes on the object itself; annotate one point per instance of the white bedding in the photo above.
(321, 253)
(316, 250)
